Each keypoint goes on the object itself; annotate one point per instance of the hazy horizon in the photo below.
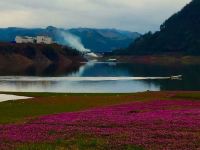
(133, 15)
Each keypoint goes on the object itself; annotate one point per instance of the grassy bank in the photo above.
(21, 113)
(52, 103)
(154, 117)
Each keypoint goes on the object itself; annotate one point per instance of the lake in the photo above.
(6, 97)
(122, 82)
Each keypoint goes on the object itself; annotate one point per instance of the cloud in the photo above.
(135, 15)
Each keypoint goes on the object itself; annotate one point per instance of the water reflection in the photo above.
(6, 97)
(49, 70)
(190, 80)
(80, 86)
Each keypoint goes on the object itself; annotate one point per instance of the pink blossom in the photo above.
(153, 125)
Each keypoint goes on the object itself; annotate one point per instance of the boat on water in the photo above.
(178, 77)
(112, 60)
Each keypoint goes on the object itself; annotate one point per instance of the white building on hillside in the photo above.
(44, 40)
(36, 40)
(24, 39)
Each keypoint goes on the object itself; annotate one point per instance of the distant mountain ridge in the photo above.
(178, 34)
(98, 40)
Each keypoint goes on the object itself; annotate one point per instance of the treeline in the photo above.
(31, 51)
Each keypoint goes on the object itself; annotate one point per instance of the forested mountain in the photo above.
(103, 40)
(180, 34)
(98, 40)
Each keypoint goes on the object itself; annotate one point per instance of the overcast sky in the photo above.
(134, 15)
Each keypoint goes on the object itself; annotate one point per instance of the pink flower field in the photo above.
(159, 125)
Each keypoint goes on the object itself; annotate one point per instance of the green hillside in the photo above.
(178, 34)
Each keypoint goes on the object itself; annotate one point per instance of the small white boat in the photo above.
(178, 77)
(112, 60)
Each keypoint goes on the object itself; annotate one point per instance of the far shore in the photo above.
(157, 59)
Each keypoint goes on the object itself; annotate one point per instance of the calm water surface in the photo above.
(191, 79)
(6, 97)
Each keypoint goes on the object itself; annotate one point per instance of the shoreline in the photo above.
(164, 60)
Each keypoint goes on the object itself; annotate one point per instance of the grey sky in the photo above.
(134, 15)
